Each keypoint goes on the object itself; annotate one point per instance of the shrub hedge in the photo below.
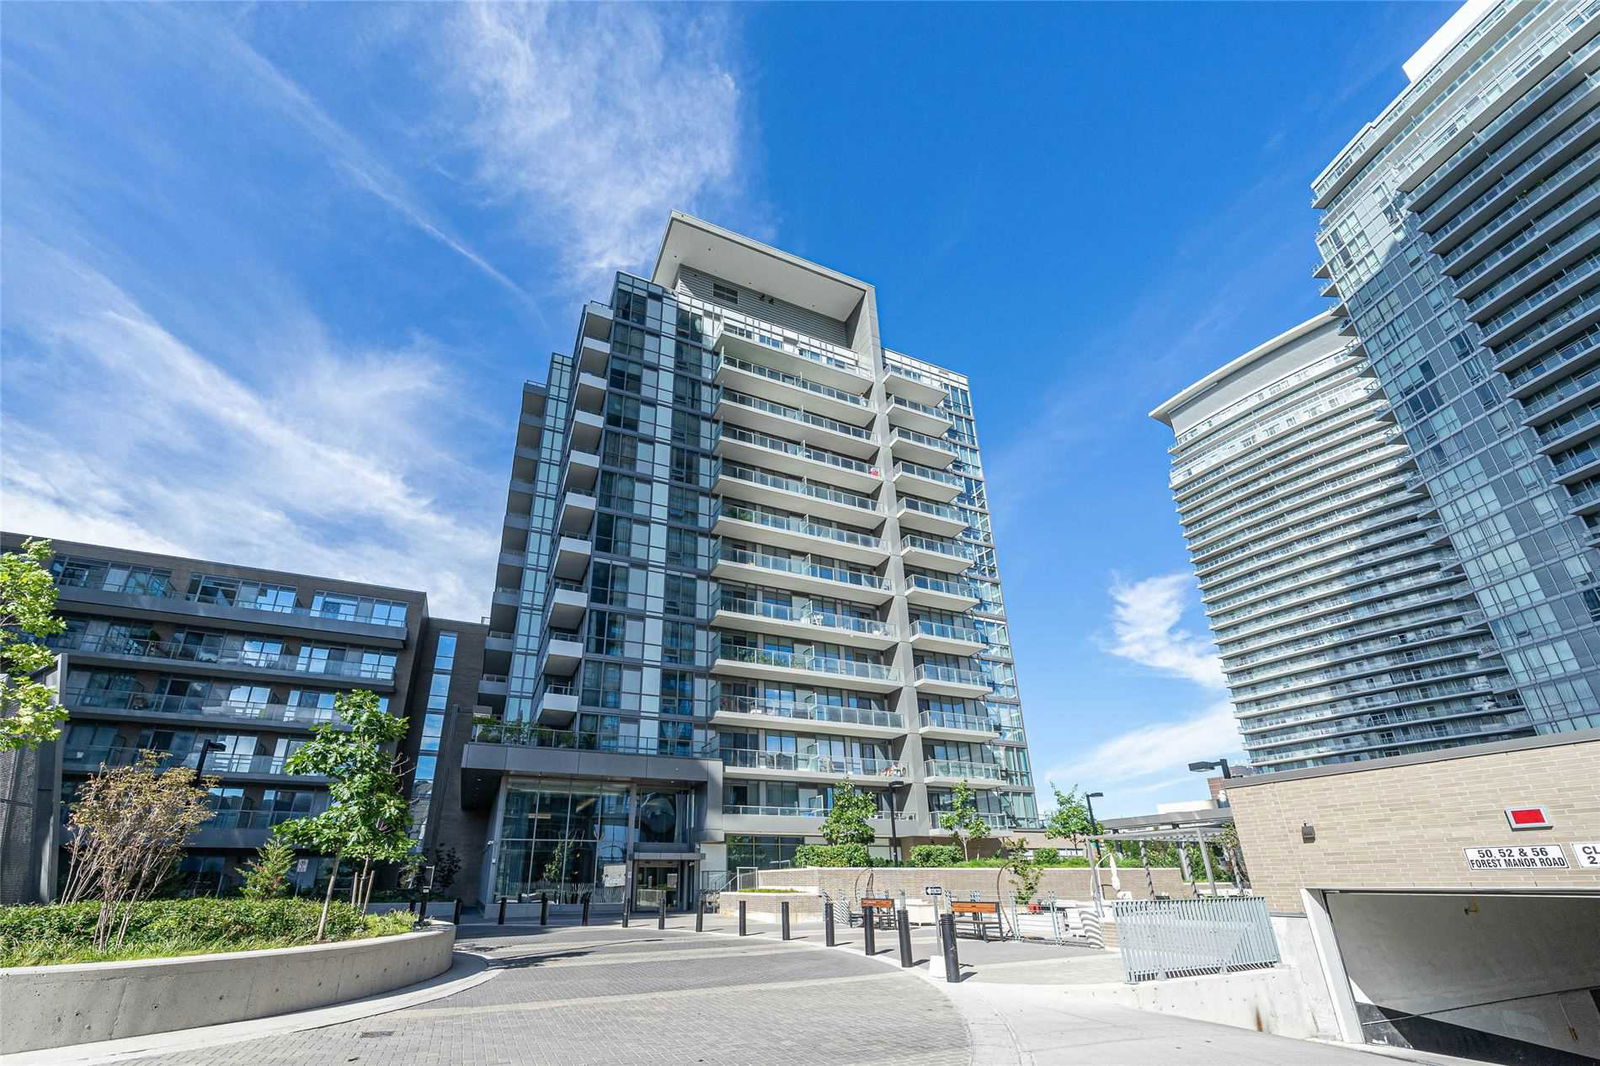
(935, 855)
(832, 855)
(40, 935)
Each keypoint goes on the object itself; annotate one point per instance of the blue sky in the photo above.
(272, 273)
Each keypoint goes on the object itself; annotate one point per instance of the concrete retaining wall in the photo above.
(1267, 1000)
(54, 1006)
(764, 906)
(1063, 882)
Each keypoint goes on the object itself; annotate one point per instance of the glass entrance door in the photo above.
(652, 880)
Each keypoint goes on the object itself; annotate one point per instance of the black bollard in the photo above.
(947, 939)
(903, 920)
(868, 933)
(544, 908)
(661, 913)
(585, 918)
(742, 929)
(783, 914)
(456, 920)
(502, 910)
(700, 913)
(827, 922)
(625, 914)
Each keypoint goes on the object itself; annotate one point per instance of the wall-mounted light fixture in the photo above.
(1308, 833)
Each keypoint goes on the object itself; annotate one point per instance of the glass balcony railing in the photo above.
(795, 414)
(950, 675)
(94, 757)
(821, 664)
(921, 408)
(950, 632)
(252, 819)
(797, 382)
(739, 512)
(237, 657)
(808, 349)
(950, 548)
(928, 473)
(766, 478)
(964, 589)
(933, 510)
(790, 710)
(199, 706)
(774, 812)
(534, 736)
(797, 762)
(951, 720)
(913, 437)
(103, 579)
(808, 616)
(967, 771)
(801, 565)
(799, 451)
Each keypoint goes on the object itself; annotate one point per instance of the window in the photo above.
(724, 294)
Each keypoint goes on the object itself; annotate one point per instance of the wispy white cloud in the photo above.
(1156, 748)
(118, 431)
(1145, 619)
(595, 120)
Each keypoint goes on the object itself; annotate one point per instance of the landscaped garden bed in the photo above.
(64, 933)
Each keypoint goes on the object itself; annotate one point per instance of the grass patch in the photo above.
(52, 935)
(789, 890)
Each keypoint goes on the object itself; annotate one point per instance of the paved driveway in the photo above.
(615, 997)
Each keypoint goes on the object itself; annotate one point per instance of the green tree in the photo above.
(446, 865)
(367, 818)
(962, 820)
(267, 875)
(846, 822)
(1019, 863)
(29, 713)
(1070, 819)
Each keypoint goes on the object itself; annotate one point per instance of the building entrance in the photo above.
(652, 880)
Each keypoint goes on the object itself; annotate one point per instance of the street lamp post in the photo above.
(1089, 798)
(206, 749)
(1217, 764)
(1094, 857)
(894, 832)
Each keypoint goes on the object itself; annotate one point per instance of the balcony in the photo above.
(806, 359)
(952, 772)
(754, 712)
(576, 514)
(922, 448)
(589, 392)
(188, 708)
(572, 557)
(566, 605)
(763, 487)
(933, 679)
(210, 659)
(797, 533)
(492, 685)
(557, 704)
(562, 652)
(587, 428)
(804, 667)
(940, 519)
(941, 594)
(501, 748)
(242, 828)
(800, 460)
(583, 471)
(593, 355)
(919, 480)
(747, 762)
(498, 644)
(782, 420)
(809, 624)
(597, 320)
(223, 764)
(943, 637)
(903, 381)
(934, 421)
(931, 554)
(793, 390)
(948, 725)
(799, 574)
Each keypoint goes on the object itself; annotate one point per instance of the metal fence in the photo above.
(1183, 937)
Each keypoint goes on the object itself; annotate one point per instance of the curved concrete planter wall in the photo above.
(53, 1006)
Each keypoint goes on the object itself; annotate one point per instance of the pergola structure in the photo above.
(1205, 837)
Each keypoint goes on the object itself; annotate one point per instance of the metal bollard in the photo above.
(700, 913)
(783, 915)
(868, 934)
(661, 914)
(502, 910)
(827, 923)
(456, 920)
(625, 914)
(544, 908)
(585, 918)
(947, 940)
(742, 929)
(903, 920)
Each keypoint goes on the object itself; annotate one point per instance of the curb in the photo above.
(467, 970)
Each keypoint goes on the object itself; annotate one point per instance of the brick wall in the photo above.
(1403, 822)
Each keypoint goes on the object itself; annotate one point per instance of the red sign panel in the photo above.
(1527, 818)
